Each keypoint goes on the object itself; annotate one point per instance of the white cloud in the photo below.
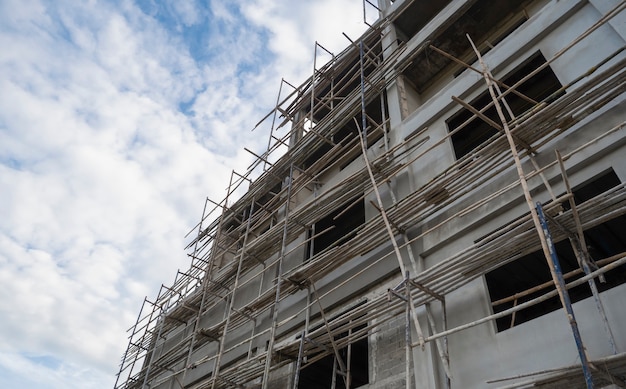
(101, 170)
(294, 30)
(187, 10)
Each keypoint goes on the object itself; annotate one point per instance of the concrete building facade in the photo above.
(441, 205)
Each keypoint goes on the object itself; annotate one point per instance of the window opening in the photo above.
(350, 132)
(266, 198)
(340, 226)
(539, 87)
(603, 241)
(319, 375)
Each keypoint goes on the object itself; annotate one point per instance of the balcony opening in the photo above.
(416, 16)
(486, 22)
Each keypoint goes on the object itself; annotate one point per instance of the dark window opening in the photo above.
(340, 226)
(349, 132)
(319, 375)
(355, 356)
(264, 200)
(604, 240)
(539, 87)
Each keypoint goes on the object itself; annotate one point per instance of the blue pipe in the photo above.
(567, 304)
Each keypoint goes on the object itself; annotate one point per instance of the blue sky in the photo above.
(117, 119)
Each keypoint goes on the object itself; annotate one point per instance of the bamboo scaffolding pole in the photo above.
(272, 126)
(162, 319)
(279, 275)
(203, 301)
(540, 225)
(338, 359)
(222, 342)
(407, 333)
(123, 365)
(579, 246)
(565, 299)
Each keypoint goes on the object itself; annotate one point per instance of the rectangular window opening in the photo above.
(375, 117)
(337, 228)
(349, 133)
(603, 241)
(319, 375)
(539, 87)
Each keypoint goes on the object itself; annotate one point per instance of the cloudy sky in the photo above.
(117, 119)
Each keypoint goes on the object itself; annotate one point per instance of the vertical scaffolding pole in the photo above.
(583, 256)
(231, 304)
(442, 346)
(269, 140)
(207, 275)
(407, 332)
(304, 334)
(533, 211)
(279, 275)
(338, 361)
(147, 325)
(349, 359)
(313, 82)
(134, 331)
(363, 139)
(296, 376)
(363, 116)
(381, 207)
(195, 246)
(162, 321)
(446, 362)
(567, 304)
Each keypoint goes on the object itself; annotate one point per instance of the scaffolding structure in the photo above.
(321, 125)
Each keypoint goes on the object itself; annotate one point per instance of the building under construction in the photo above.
(440, 205)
